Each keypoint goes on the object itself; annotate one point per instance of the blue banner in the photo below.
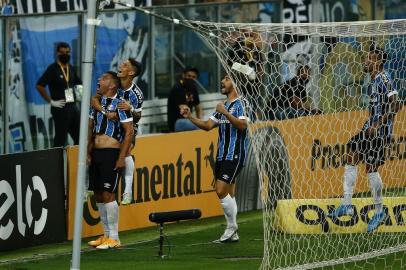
(32, 49)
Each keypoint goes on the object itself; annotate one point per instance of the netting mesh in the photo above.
(310, 93)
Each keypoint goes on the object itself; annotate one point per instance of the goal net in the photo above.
(310, 89)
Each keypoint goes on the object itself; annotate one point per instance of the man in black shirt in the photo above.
(184, 93)
(60, 79)
(290, 100)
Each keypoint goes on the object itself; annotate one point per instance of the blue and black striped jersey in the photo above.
(380, 90)
(102, 125)
(135, 97)
(232, 142)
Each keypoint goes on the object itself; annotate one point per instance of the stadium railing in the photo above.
(154, 110)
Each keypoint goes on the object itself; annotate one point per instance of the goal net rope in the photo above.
(310, 92)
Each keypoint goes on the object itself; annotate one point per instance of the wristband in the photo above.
(132, 109)
(103, 111)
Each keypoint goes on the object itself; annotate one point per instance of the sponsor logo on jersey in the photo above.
(224, 121)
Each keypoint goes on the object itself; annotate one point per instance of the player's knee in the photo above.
(221, 192)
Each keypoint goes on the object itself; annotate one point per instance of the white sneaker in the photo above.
(228, 234)
(127, 198)
(234, 238)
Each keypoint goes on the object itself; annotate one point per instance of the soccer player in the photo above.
(133, 98)
(369, 145)
(230, 117)
(108, 145)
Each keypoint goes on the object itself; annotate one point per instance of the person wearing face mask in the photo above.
(184, 93)
(61, 80)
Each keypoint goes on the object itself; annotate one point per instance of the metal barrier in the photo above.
(154, 111)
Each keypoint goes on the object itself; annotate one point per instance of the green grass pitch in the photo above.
(190, 247)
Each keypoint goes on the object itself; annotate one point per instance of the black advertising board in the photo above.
(32, 200)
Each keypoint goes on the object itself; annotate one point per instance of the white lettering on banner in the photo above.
(21, 225)
(299, 11)
(5, 188)
(31, 6)
(36, 6)
(40, 187)
(337, 7)
(302, 12)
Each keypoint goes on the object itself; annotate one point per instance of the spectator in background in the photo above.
(184, 93)
(60, 79)
(247, 60)
(290, 100)
(7, 9)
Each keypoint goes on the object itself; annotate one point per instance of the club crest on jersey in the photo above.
(385, 78)
(110, 107)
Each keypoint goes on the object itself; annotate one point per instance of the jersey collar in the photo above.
(113, 97)
(229, 102)
(131, 87)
